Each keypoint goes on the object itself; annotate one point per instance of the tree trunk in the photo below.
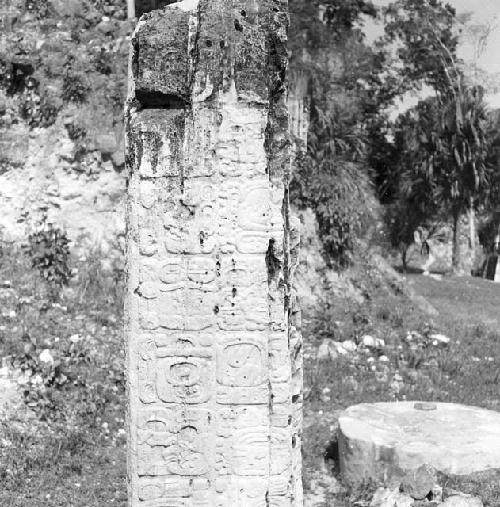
(497, 240)
(298, 111)
(472, 234)
(131, 9)
(404, 259)
(455, 256)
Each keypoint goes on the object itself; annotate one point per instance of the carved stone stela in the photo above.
(214, 351)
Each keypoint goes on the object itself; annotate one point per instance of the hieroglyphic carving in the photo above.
(214, 367)
(173, 441)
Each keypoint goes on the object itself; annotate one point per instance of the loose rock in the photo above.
(349, 346)
(419, 483)
(46, 357)
(437, 493)
(439, 339)
(371, 342)
(391, 498)
(327, 350)
(368, 341)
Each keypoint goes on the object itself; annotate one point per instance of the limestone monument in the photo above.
(214, 351)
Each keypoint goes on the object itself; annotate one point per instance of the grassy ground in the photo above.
(67, 447)
(464, 298)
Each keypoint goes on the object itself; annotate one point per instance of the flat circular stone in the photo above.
(376, 440)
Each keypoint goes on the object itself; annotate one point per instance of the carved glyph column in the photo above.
(214, 351)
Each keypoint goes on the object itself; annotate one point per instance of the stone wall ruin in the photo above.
(214, 350)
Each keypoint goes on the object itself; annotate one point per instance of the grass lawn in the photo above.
(462, 298)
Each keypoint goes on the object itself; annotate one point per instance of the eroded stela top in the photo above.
(214, 353)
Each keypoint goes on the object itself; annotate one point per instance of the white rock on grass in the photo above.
(46, 357)
(439, 339)
(391, 498)
(340, 350)
(369, 341)
(332, 349)
(349, 346)
(74, 338)
(327, 350)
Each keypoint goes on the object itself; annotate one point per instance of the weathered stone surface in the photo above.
(160, 59)
(376, 440)
(462, 501)
(437, 493)
(418, 483)
(214, 349)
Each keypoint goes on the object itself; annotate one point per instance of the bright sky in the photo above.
(483, 12)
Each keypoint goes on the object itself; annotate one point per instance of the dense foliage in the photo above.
(434, 163)
(48, 250)
(442, 168)
(65, 60)
(332, 175)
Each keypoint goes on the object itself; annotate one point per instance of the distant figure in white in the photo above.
(422, 237)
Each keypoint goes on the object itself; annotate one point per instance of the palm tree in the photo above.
(467, 173)
(444, 148)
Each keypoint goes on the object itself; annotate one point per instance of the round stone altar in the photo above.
(380, 439)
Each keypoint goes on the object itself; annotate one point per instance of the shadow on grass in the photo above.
(412, 270)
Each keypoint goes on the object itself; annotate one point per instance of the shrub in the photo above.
(74, 87)
(48, 249)
(75, 131)
(340, 194)
(100, 278)
(39, 8)
(38, 108)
